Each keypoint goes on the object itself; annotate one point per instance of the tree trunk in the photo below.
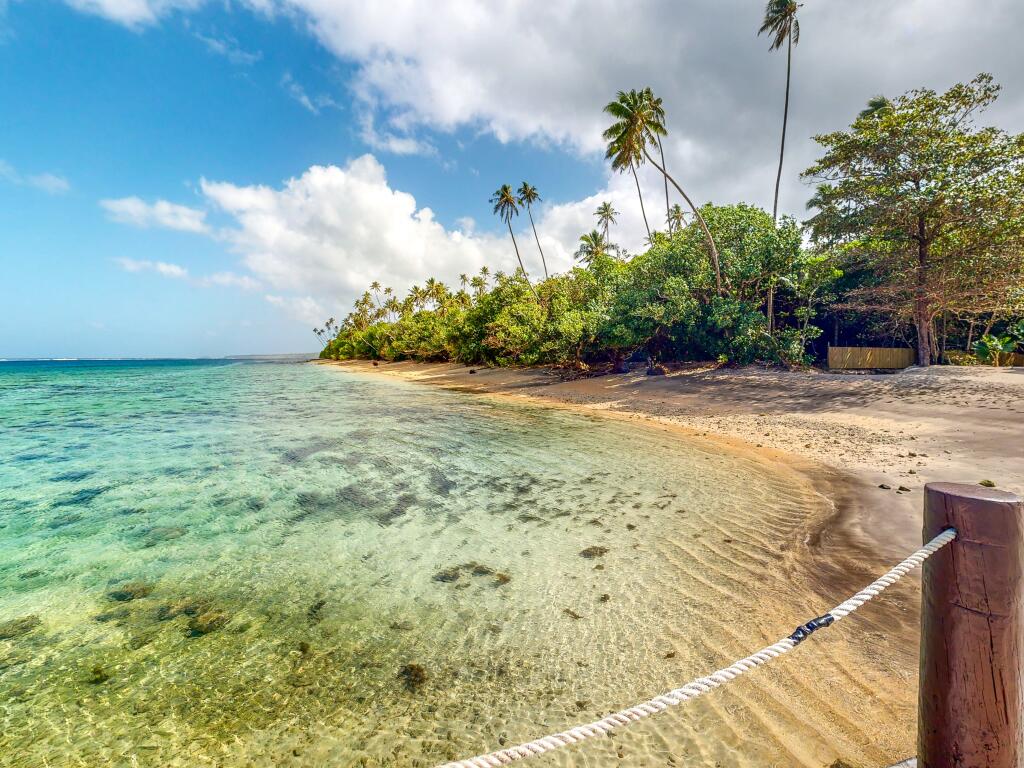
(543, 261)
(700, 218)
(785, 119)
(922, 317)
(668, 210)
(520, 258)
(640, 195)
(771, 306)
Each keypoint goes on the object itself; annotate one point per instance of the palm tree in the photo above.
(876, 106)
(675, 219)
(592, 245)
(625, 142)
(528, 195)
(605, 216)
(506, 206)
(781, 23)
(639, 121)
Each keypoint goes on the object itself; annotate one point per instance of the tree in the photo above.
(928, 205)
(626, 140)
(640, 122)
(781, 23)
(592, 246)
(528, 195)
(505, 207)
(876, 105)
(605, 216)
(675, 221)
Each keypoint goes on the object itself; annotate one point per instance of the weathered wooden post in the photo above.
(971, 700)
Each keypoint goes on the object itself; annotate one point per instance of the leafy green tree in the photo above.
(781, 24)
(927, 204)
(506, 205)
(605, 214)
(991, 348)
(528, 195)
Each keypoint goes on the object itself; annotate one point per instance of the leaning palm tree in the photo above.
(639, 121)
(781, 23)
(506, 206)
(675, 219)
(592, 245)
(528, 195)
(876, 106)
(625, 143)
(605, 216)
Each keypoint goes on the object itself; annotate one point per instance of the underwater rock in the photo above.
(414, 676)
(304, 648)
(60, 521)
(163, 533)
(604, 598)
(26, 575)
(205, 623)
(630, 526)
(18, 627)
(97, 675)
(479, 569)
(448, 574)
(112, 615)
(132, 590)
(402, 626)
(139, 640)
(501, 579)
(592, 552)
(571, 613)
(188, 606)
(313, 613)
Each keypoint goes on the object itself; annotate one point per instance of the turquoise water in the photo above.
(211, 563)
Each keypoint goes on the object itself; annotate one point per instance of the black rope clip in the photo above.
(804, 631)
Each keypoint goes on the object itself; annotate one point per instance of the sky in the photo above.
(183, 178)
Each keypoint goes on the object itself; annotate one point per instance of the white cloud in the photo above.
(230, 279)
(305, 309)
(299, 94)
(178, 272)
(229, 48)
(160, 267)
(138, 213)
(387, 141)
(133, 13)
(50, 183)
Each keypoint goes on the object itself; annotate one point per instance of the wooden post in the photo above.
(971, 699)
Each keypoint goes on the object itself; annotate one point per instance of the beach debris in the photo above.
(205, 623)
(18, 627)
(472, 370)
(375, 363)
(114, 614)
(131, 590)
(97, 675)
(413, 676)
(903, 489)
(313, 613)
(591, 552)
(987, 483)
(571, 613)
(885, 487)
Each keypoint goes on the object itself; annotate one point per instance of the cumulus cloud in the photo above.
(178, 272)
(139, 213)
(50, 183)
(160, 267)
(305, 309)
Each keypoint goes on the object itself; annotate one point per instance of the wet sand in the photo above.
(846, 435)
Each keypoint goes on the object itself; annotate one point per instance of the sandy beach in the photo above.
(867, 444)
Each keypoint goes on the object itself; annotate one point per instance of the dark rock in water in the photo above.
(604, 598)
(401, 626)
(304, 648)
(205, 623)
(582, 705)
(479, 569)
(414, 676)
(571, 613)
(18, 627)
(114, 614)
(501, 579)
(131, 590)
(448, 574)
(80, 498)
(163, 533)
(670, 655)
(313, 613)
(188, 606)
(72, 477)
(139, 640)
(630, 526)
(591, 552)
(97, 675)
(26, 575)
(61, 520)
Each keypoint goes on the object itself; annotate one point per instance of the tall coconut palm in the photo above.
(506, 206)
(675, 219)
(781, 23)
(626, 141)
(592, 245)
(605, 216)
(876, 106)
(639, 121)
(658, 111)
(528, 195)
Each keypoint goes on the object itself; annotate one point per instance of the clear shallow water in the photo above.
(292, 538)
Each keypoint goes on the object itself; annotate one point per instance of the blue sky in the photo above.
(183, 178)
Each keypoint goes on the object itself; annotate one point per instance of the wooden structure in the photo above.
(860, 358)
(971, 698)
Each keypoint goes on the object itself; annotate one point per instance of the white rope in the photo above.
(702, 685)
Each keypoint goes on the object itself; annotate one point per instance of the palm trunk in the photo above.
(520, 258)
(922, 319)
(542, 260)
(785, 119)
(640, 195)
(771, 306)
(668, 210)
(700, 218)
